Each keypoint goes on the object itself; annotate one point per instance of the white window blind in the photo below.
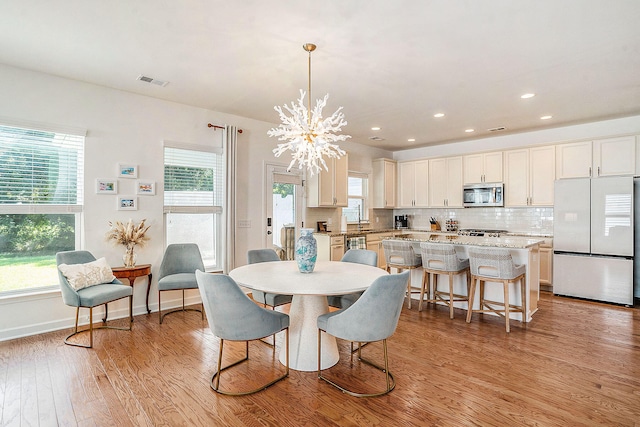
(192, 179)
(40, 170)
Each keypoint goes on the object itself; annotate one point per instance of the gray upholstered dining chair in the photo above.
(91, 296)
(373, 317)
(255, 256)
(177, 272)
(233, 316)
(358, 256)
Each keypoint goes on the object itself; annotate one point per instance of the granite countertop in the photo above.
(514, 242)
(354, 233)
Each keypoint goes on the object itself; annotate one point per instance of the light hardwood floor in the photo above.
(577, 363)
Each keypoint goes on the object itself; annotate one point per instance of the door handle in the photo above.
(269, 232)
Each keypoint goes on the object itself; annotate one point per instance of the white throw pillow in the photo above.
(84, 275)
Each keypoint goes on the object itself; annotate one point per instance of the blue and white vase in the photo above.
(306, 251)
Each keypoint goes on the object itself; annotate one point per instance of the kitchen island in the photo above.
(524, 250)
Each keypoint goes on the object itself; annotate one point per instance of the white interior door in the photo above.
(283, 217)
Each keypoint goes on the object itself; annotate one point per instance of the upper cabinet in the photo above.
(413, 184)
(445, 182)
(528, 176)
(384, 183)
(593, 159)
(483, 167)
(329, 188)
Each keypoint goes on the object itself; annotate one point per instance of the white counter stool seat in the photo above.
(401, 256)
(441, 258)
(495, 265)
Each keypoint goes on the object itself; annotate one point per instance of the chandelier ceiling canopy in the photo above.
(306, 133)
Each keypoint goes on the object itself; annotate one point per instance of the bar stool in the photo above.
(496, 265)
(441, 258)
(400, 255)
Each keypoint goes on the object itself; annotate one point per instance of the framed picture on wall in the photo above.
(127, 203)
(106, 186)
(127, 171)
(146, 188)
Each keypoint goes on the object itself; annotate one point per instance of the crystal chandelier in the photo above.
(306, 133)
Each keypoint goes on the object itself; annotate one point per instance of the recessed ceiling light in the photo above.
(375, 128)
(411, 140)
(528, 95)
(545, 117)
(438, 115)
(469, 130)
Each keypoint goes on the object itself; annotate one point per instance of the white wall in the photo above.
(124, 127)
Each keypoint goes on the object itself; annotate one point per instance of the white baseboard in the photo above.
(68, 322)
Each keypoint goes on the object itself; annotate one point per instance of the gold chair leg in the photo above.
(390, 381)
(215, 379)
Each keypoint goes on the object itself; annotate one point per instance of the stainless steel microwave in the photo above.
(481, 195)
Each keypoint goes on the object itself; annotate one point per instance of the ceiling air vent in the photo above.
(376, 138)
(152, 80)
(497, 129)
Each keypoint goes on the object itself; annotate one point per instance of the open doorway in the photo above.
(283, 195)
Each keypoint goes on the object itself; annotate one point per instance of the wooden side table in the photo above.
(131, 274)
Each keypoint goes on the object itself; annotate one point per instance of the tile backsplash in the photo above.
(515, 220)
(519, 220)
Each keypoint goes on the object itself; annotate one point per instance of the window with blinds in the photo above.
(357, 208)
(193, 200)
(41, 199)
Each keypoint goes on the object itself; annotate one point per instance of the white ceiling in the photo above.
(391, 64)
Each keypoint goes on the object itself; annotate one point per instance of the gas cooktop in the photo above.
(477, 232)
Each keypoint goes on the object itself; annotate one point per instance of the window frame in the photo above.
(215, 209)
(63, 134)
(364, 197)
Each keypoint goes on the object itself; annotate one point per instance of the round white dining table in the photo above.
(309, 292)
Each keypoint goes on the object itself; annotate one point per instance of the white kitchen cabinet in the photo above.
(482, 167)
(614, 156)
(445, 182)
(574, 160)
(374, 243)
(593, 159)
(384, 183)
(528, 176)
(329, 188)
(546, 262)
(413, 184)
(330, 248)
(337, 248)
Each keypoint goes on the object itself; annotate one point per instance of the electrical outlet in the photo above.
(329, 221)
(377, 219)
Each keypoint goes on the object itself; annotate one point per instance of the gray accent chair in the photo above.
(177, 272)
(255, 256)
(400, 255)
(358, 256)
(437, 259)
(495, 265)
(373, 317)
(92, 296)
(233, 316)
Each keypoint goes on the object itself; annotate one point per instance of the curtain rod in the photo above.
(219, 127)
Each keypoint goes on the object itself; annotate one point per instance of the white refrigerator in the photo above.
(593, 239)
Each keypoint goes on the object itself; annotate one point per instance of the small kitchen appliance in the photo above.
(401, 221)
